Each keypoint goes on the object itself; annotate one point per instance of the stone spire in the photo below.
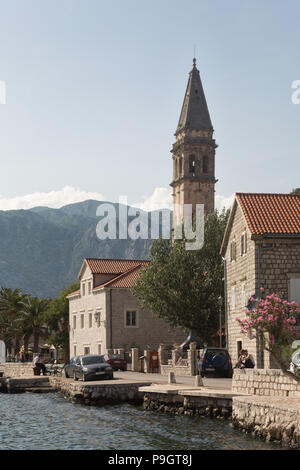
(193, 153)
(194, 113)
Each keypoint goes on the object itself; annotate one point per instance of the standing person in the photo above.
(22, 356)
(37, 363)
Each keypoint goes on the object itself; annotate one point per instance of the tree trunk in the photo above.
(36, 337)
(17, 344)
(67, 353)
(26, 341)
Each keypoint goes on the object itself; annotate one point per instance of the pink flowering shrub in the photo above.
(274, 319)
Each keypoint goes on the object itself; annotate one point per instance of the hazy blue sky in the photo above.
(95, 88)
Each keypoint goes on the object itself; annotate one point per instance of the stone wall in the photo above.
(186, 366)
(17, 369)
(214, 407)
(180, 371)
(102, 394)
(272, 420)
(279, 263)
(265, 382)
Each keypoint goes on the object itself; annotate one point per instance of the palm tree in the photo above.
(33, 319)
(10, 307)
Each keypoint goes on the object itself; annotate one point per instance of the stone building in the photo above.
(104, 314)
(261, 248)
(193, 152)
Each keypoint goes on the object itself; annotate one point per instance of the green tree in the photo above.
(11, 331)
(32, 319)
(296, 191)
(181, 286)
(57, 319)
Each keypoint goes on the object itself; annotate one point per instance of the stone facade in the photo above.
(252, 262)
(98, 321)
(240, 284)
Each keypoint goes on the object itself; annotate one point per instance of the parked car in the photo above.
(116, 361)
(69, 367)
(215, 361)
(92, 367)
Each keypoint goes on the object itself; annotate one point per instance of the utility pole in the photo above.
(220, 303)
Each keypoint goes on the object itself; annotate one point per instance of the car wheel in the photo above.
(75, 376)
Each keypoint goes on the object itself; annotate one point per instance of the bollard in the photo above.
(171, 378)
(198, 381)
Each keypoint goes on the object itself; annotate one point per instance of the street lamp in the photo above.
(220, 303)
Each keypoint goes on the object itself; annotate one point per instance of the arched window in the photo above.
(205, 164)
(192, 164)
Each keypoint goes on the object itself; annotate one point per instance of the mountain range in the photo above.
(42, 249)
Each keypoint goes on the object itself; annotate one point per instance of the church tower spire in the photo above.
(193, 152)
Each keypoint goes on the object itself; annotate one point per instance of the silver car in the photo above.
(92, 367)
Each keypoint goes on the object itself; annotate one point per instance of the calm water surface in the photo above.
(49, 421)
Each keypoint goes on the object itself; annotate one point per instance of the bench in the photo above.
(55, 369)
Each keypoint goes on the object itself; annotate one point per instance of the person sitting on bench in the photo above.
(37, 363)
(245, 361)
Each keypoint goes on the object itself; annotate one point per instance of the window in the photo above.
(233, 298)
(74, 322)
(233, 251)
(131, 318)
(243, 294)
(75, 351)
(180, 167)
(83, 288)
(82, 320)
(243, 243)
(99, 348)
(205, 164)
(192, 164)
(90, 320)
(86, 350)
(294, 290)
(89, 287)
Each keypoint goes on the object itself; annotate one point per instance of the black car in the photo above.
(92, 367)
(215, 361)
(69, 367)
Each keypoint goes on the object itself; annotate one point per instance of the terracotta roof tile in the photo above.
(126, 279)
(271, 213)
(76, 292)
(112, 266)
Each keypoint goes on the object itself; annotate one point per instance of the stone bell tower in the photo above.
(193, 152)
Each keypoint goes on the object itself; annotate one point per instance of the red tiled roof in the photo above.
(126, 272)
(126, 279)
(112, 266)
(271, 213)
(76, 292)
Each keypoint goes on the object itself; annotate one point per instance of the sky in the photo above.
(94, 89)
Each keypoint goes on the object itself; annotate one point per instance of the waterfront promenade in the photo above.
(271, 418)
